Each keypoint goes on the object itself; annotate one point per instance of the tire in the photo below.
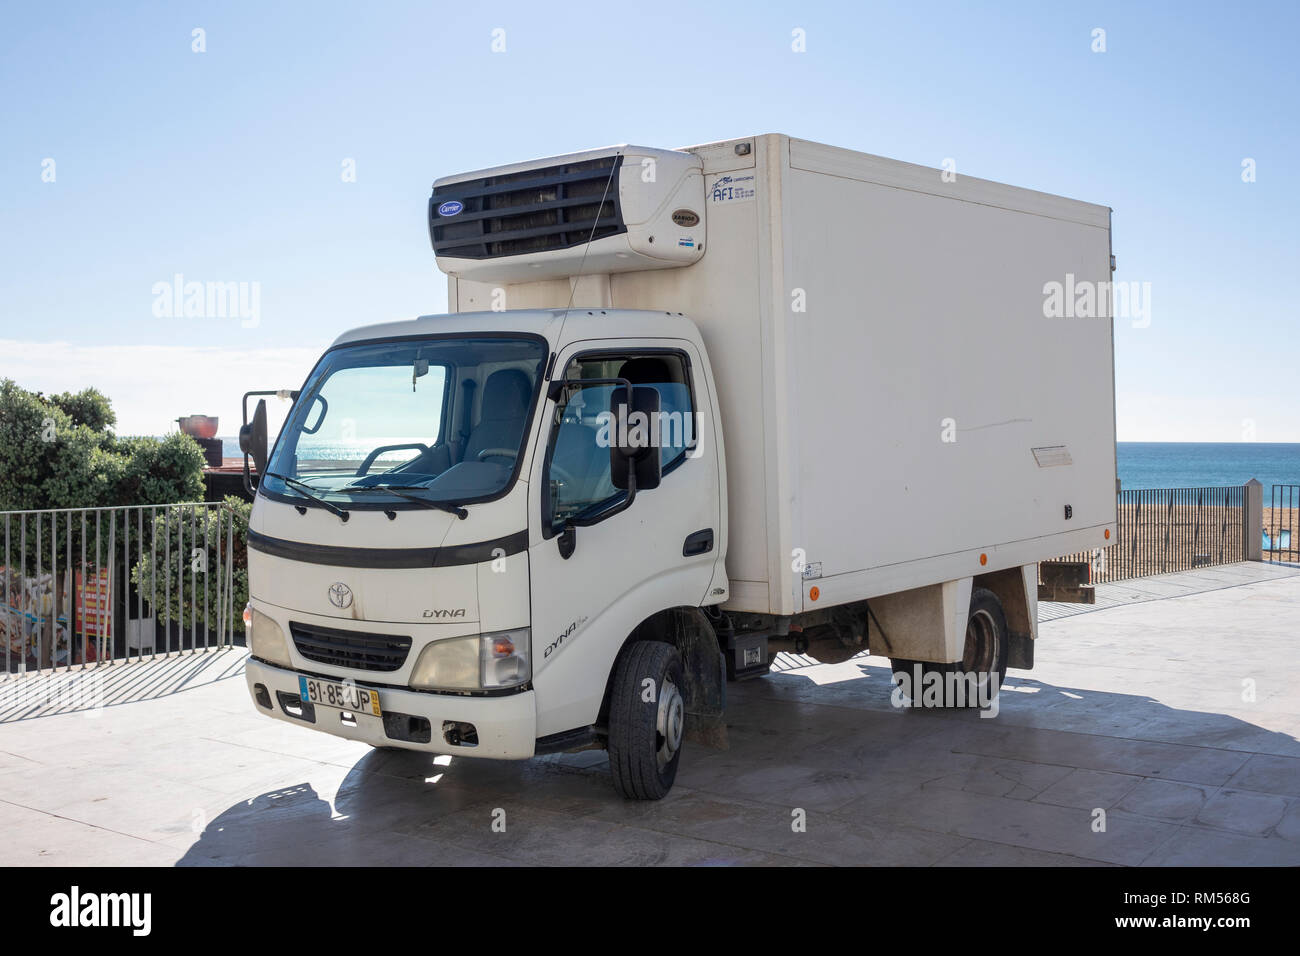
(645, 736)
(984, 655)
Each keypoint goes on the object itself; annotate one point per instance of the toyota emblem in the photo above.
(340, 594)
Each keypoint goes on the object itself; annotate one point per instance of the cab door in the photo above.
(588, 593)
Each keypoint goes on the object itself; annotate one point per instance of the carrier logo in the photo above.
(684, 217)
(340, 594)
(452, 207)
(445, 612)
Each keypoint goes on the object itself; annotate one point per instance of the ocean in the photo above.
(1207, 464)
(1175, 464)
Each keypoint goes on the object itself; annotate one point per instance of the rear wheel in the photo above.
(975, 680)
(646, 719)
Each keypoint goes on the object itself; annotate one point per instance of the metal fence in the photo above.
(1281, 532)
(1171, 529)
(83, 586)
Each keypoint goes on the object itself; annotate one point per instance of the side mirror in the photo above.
(634, 440)
(252, 441)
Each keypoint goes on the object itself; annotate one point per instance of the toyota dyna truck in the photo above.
(691, 408)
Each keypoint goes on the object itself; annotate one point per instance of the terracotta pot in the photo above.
(199, 426)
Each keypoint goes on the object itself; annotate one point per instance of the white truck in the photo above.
(690, 407)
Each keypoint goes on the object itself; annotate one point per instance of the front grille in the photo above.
(554, 207)
(367, 652)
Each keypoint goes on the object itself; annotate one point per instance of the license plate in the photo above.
(328, 693)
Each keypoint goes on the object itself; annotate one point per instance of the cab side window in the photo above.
(577, 462)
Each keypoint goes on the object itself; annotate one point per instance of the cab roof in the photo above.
(576, 323)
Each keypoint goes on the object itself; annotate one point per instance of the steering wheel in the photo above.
(497, 453)
(370, 459)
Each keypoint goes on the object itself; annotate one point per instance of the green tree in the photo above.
(159, 471)
(59, 453)
(187, 549)
(89, 407)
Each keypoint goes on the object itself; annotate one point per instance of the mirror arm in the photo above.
(568, 538)
(622, 506)
(245, 430)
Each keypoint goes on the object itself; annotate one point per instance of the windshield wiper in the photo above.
(399, 491)
(306, 491)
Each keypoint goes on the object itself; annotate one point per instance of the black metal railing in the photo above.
(84, 586)
(1281, 534)
(1171, 529)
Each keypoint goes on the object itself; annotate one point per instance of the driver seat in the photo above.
(501, 414)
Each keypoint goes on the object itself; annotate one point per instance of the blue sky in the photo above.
(225, 165)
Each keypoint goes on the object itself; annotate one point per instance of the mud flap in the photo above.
(1020, 651)
(705, 673)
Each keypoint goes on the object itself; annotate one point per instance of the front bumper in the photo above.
(505, 726)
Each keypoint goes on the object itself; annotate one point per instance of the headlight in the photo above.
(448, 665)
(266, 640)
(482, 662)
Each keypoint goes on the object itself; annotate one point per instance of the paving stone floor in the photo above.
(1175, 710)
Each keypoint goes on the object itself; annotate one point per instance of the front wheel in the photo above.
(646, 718)
(976, 679)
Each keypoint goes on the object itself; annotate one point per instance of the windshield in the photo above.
(441, 419)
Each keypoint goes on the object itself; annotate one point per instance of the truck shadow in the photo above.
(837, 747)
(401, 808)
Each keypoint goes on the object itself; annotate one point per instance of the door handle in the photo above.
(701, 542)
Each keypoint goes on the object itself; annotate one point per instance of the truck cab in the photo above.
(442, 523)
